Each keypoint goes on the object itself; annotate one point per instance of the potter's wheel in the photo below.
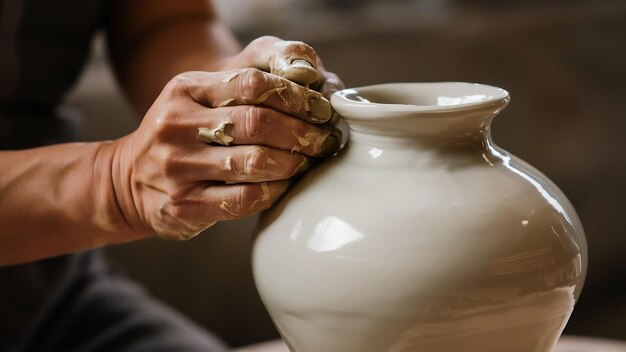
(566, 344)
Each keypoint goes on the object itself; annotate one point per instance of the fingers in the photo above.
(292, 60)
(295, 61)
(251, 87)
(181, 217)
(329, 85)
(236, 201)
(255, 125)
(207, 204)
(240, 164)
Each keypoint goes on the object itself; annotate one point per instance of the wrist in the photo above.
(115, 211)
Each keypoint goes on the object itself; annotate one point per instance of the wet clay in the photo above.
(238, 211)
(315, 140)
(308, 103)
(195, 229)
(189, 229)
(228, 163)
(216, 135)
(304, 165)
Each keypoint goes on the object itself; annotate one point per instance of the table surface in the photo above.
(566, 344)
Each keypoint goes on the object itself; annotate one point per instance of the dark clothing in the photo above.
(80, 304)
(73, 302)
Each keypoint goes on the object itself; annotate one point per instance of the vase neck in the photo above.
(427, 114)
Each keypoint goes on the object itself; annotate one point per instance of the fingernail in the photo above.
(331, 143)
(301, 72)
(301, 63)
(319, 110)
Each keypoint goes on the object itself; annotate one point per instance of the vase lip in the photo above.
(396, 99)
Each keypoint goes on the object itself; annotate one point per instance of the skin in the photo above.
(164, 179)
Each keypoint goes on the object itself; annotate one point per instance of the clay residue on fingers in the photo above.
(231, 76)
(216, 135)
(295, 69)
(256, 172)
(313, 139)
(226, 102)
(315, 107)
(179, 229)
(304, 164)
(194, 230)
(230, 209)
(228, 163)
(266, 192)
(263, 97)
(295, 150)
(237, 211)
(103, 222)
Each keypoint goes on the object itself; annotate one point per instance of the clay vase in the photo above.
(422, 235)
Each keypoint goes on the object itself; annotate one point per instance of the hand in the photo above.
(169, 180)
(293, 60)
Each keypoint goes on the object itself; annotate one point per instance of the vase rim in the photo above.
(393, 99)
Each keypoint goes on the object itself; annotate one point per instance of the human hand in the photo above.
(293, 60)
(168, 180)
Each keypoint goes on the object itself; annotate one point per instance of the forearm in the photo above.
(58, 199)
(152, 41)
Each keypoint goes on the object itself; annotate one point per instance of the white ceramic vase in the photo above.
(422, 235)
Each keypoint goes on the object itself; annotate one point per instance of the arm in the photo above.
(151, 41)
(58, 199)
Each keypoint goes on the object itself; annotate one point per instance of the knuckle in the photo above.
(267, 39)
(256, 122)
(178, 209)
(254, 161)
(301, 48)
(166, 122)
(248, 197)
(170, 163)
(254, 83)
(179, 202)
(178, 84)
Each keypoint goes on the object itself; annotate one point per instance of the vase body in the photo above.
(421, 235)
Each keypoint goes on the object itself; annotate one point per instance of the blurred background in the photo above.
(563, 63)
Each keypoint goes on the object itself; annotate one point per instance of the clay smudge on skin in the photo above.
(226, 102)
(228, 163)
(303, 141)
(230, 77)
(295, 150)
(304, 164)
(190, 228)
(300, 101)
(103, 222)
(217, 135)
(195, 229)
(266, 192)
(236, 210)
(312, 138)
(265, 189)
(255, 173)
(263, 97)
(230, 209)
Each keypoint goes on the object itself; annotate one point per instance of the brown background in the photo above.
(562, 62)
